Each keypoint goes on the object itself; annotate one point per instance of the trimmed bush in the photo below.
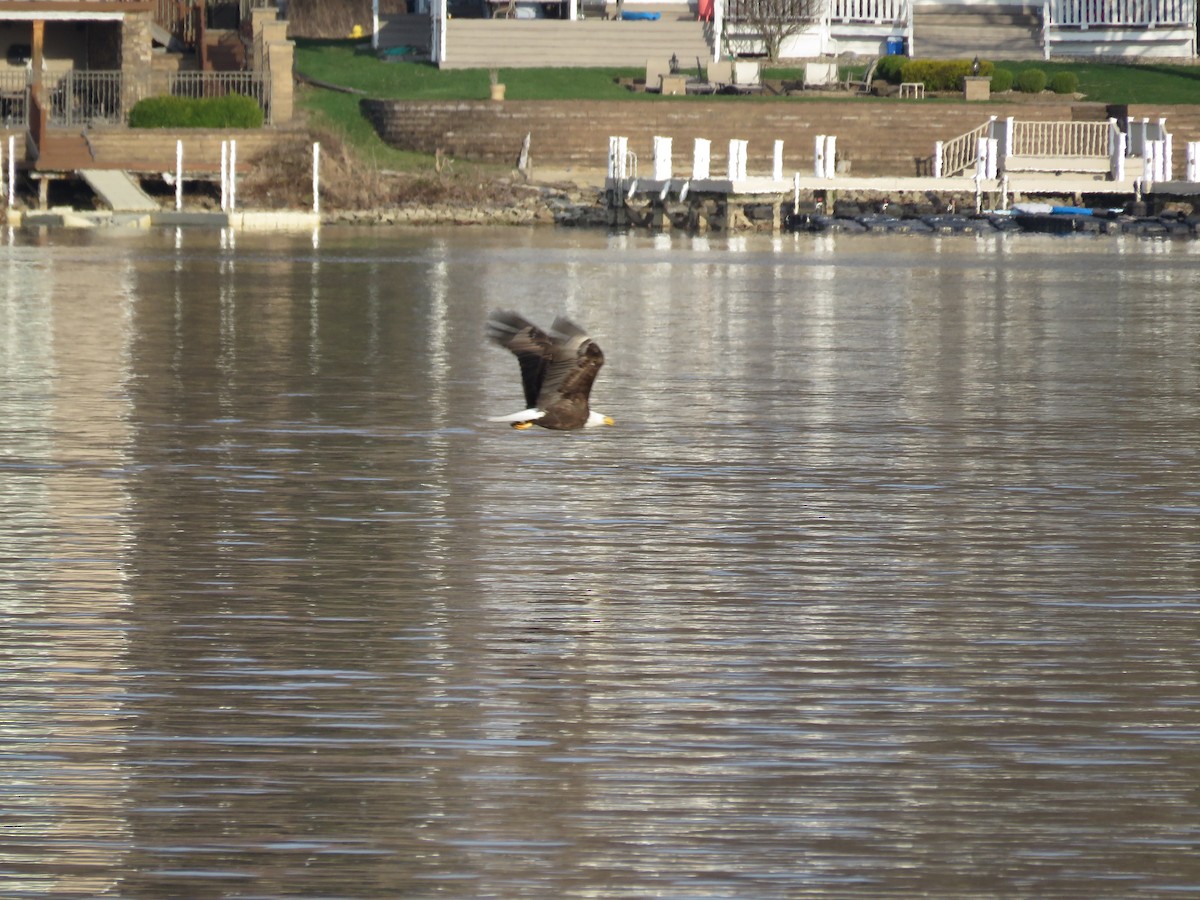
(1002, 80)
(1064, 83)
(888, 68)
(230, 111)
(942, 74)
(1031, 81)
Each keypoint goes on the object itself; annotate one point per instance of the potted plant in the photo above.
(497, 86)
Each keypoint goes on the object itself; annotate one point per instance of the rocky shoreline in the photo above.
(557, 204)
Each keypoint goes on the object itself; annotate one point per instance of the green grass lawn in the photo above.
(350, 64)
(1113, 83)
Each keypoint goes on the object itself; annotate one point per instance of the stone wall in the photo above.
(877, 137)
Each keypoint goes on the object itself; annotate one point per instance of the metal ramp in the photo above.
(118, 189)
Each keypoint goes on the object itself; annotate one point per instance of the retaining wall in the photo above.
(877, 137)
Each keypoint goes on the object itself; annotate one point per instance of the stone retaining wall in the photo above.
(877, 137)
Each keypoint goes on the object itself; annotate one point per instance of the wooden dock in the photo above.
(758, 203)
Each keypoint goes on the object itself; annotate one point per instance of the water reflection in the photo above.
(64, 602)
(885, 582)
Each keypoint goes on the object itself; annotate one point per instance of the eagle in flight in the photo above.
(558, 367)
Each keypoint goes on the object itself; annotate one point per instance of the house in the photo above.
(78, 64)
(809, 29)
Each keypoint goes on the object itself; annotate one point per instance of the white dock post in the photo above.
(796, 194)
(1156, 160)
(992, 148)
(316, 189)
(178, 176)
(232, 175)
(737, 160)
(1193, 161)
(701, 159)
(224, 176)
(777, 162)
(938, 157)
(662, 158)
(830, 155)
(1117, 157)
(12, 171)
(1168, 145)
(819, 157)
(981, 153)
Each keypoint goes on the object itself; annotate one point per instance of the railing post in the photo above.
(777, 162)
(718, 28)
(937, 159)
(178, 175)
(819, 157)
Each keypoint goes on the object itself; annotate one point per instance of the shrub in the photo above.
(942, 74)
(1031, 81)
(1064, 83)
(888, 68)
(1002, 80)
(230, 111)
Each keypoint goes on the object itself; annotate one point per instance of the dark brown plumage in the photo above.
(558, 368)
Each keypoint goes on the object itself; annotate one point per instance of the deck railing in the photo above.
(79, 98)
(14, 98)
(1060, 139)
(1120, 13)
(869, 11)
(773, 10)
(960, 154)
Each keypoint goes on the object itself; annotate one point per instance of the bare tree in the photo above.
(770, 21)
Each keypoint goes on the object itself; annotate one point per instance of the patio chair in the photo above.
(742, 76)
(594, 9)
(820, 75)
(862, 85)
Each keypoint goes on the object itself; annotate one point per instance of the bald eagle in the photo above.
(558, 367)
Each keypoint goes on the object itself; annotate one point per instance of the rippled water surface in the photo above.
(886, 583)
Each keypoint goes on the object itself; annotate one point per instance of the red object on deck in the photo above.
(704, 10)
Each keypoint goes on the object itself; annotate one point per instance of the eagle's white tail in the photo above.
(525, 415)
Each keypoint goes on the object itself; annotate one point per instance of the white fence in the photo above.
(1119, 13)
(1060, 139)
(1141, 28)
(871, 11)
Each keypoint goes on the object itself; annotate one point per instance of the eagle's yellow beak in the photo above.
(608, 420)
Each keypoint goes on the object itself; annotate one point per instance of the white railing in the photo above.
(1060, 139)
(1119, 13)
(872, 11)
(962, 153)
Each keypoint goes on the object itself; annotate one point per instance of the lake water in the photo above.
(886, 583)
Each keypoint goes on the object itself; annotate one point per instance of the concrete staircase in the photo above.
(535, 43)
(1000, 31)
(118, 189)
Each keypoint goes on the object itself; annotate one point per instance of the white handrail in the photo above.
(962, 153)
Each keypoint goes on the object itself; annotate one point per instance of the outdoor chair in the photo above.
(595, 9)
(820, 75)
(862, 85)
